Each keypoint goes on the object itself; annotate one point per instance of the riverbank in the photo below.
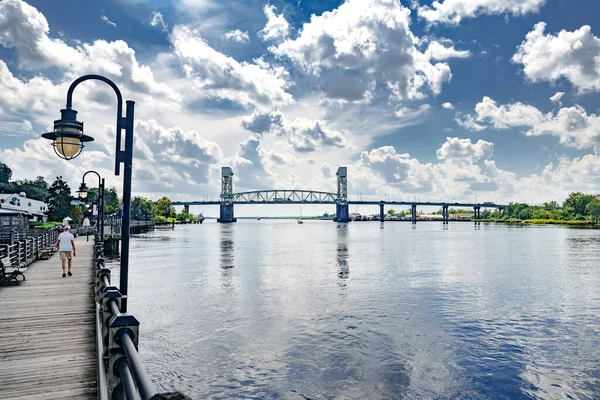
(576, 223)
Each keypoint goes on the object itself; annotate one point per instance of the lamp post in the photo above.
(68, 142)
(83, 194)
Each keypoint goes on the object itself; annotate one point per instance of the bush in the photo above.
(44, 225)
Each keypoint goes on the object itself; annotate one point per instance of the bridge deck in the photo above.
(47, 331)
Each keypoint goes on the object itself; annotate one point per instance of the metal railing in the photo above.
(121, 373)
(22, 250)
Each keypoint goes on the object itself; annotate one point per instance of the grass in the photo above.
(537, 221)
(44, 225)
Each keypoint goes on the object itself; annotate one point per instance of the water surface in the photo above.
(277, 310)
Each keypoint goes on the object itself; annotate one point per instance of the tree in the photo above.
(164, 207)
(578, 202)
(59, 200)
(77, 214)
(5, 173)
(111, 201)
(593, 210)
(391, 212)
(36, 189)
(142, 209)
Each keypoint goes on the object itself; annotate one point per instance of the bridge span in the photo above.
(296, 196)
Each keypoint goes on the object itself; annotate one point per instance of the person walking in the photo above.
(66, 249)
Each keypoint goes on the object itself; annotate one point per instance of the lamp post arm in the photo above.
(97, 174)
(99, 78)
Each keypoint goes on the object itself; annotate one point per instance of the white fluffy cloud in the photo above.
(572, 125)
(277, 26)
(464, 167)
(176, 145)
(452, 12)
(507, 116)
(360, 45)
(221, 76)
(437, 51)
(249, 165)
(236, 36)
(574, 56)
(448, 106)
(455, 148)
(303, 135)
(25, 29)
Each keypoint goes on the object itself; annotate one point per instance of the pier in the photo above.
(47, 331)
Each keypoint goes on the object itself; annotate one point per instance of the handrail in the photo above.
(127, 382)
(142, 379)
(102, 387)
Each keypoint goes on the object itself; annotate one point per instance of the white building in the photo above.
(18, 201)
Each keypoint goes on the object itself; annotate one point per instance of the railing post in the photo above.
(117, 323)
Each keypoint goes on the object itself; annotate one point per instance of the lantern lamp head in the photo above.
(68, 138)
(83, 191)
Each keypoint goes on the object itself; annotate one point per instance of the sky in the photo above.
(458, 100)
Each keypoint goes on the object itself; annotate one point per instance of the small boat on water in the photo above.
(300, 221)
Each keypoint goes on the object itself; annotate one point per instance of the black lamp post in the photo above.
(83, 194)
(68, 142)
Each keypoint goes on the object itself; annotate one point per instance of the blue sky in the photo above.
(449, 98)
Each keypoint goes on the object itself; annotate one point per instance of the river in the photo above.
(277, 310)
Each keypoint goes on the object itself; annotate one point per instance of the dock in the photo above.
(47, 331)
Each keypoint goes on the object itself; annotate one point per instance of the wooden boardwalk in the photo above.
(48, 331)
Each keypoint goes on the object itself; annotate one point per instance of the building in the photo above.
(35, 209)
(13, 219)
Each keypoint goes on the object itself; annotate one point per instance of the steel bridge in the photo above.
(297, 196)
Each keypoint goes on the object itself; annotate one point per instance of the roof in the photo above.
(9, 211)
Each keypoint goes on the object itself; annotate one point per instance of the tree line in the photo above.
(59, 197)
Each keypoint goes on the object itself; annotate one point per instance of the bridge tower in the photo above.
(226, 211)
(341, 203)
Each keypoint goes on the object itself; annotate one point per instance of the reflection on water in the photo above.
(226, 256)
(342, 255)
(277, 310)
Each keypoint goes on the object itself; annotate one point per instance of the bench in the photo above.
(10, 272)
(47, 252)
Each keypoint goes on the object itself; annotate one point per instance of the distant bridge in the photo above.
(296, 196)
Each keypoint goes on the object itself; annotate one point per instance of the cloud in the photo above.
(175, 145)
(107, 21)
(25, 29)
(27, 126)
(303, 135)
(469, 122)
(217, 75)
(437, 51)
(249, 165)
(360, 46)
(455, 148)
(277, 26)
(506, 116)
(557, 97)
(572, 125)
(448, 106)
(407, 113)
(236, 36)
(158, 21)
(574, 56)
(452, 12)
(326, 170)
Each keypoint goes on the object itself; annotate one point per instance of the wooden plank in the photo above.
(47, 331)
